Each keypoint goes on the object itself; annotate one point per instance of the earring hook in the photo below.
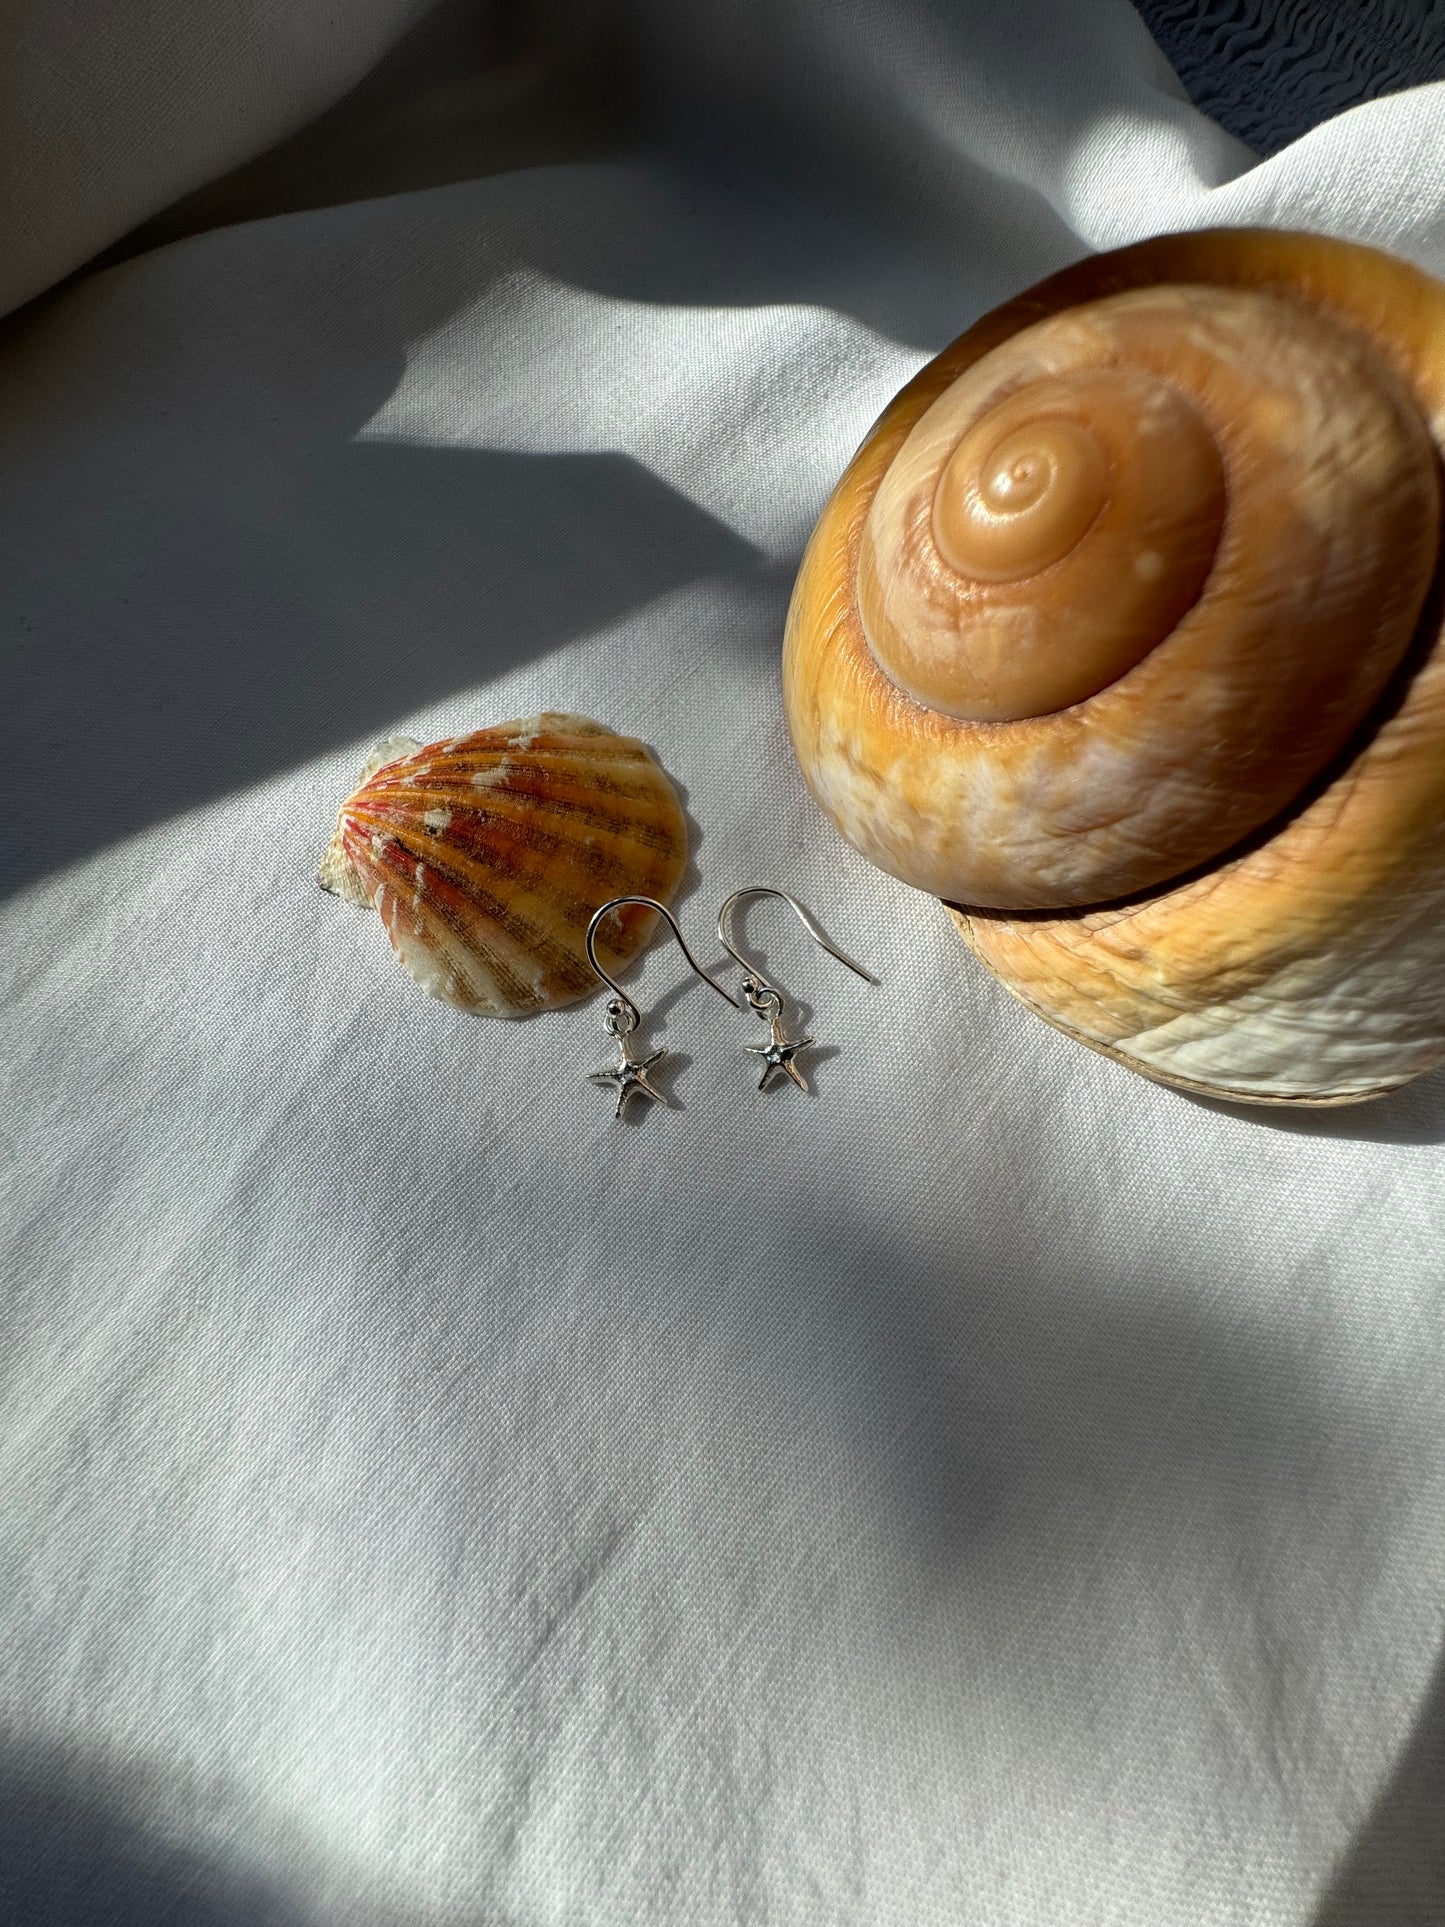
(624, 1002)
(755, 975)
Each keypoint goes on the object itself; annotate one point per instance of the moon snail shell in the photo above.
(1121, 634)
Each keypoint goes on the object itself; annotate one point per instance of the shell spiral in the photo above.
(1129, 595)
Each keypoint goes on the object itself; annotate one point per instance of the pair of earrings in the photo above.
(627, 1075)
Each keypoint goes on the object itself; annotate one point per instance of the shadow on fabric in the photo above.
(211, 578)
(1415, 1114)
(899, 134)
(468, 91)
(304, 625)
(1395, 1871)
(73, 1855)
(460, 99)
(917, 112)
(1004, 1398)
(1007, 1446)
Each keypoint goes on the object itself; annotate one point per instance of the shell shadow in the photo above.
(692, 872)
(1415, 1114)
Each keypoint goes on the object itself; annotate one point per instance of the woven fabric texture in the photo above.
(993, 1490)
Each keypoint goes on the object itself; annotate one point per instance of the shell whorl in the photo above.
(1121, 591)
(1305, 962)
(1022, 567)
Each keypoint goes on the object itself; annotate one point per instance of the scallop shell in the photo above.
(486, 855)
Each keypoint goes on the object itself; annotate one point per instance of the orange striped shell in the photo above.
(486, 855)
(1208, 840)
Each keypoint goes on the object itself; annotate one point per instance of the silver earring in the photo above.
(764, 997)
(627, 1074)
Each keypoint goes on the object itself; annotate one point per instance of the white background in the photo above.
(994, 1490)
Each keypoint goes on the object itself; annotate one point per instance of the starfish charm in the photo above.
(778, 1054)
(628, 1076)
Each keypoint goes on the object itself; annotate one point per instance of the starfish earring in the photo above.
(627, 1075)
(766, 1000)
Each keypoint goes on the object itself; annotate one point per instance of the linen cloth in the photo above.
(995, 1490)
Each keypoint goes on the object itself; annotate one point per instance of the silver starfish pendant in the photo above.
(628, 1076)
(778, 1054)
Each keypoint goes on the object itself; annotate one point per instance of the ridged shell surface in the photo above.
(485, 856)
(1123, 634)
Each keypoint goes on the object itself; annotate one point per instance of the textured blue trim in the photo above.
(1269, 70)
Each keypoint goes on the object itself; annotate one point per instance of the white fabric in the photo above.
(109, 111)
(996, 1490)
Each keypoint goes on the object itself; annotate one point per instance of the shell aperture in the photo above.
(485, 856)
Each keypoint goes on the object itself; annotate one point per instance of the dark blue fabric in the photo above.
(1269, 70)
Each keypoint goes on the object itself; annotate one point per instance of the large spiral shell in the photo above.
(1136, 583)
(486, 855)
